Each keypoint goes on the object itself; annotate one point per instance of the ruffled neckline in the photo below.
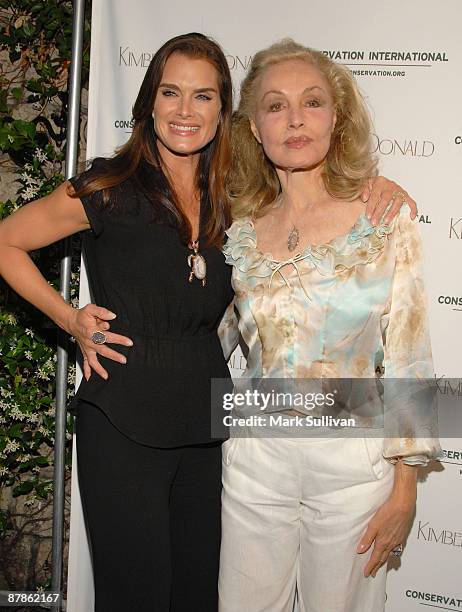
(362, 244)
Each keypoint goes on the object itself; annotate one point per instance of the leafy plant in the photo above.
(35, 56)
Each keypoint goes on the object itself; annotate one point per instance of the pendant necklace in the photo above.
(293, 239)
(197, 263)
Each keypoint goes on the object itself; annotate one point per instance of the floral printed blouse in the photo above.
(343, 309)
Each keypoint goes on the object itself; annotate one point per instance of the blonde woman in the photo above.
(320, 293)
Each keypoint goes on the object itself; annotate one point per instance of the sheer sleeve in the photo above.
(92, 203)
(228, 331)
(410, 405)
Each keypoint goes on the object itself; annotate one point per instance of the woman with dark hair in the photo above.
(149, 471)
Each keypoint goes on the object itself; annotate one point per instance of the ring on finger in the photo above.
(397, 551)
(98, 337)
(401, 194)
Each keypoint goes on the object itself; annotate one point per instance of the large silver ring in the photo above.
(397, 551)
(98, 337)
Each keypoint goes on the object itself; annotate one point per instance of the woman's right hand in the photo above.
(82, 323)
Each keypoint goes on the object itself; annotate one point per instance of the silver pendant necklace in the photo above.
(293, 239)
(197, 263)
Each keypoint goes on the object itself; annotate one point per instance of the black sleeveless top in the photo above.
(139, 270)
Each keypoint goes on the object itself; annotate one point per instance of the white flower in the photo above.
(71, 374)
(40, 155)
(43, 375)
(26, 178)
(5, 392)
(33, 418)
(11, 446)
(11, 319)
(10, 138)
(29, 332)
(28, 355)
(28, 167)
(17, 414)
(29, 193)
(3, 471)
(18, 48)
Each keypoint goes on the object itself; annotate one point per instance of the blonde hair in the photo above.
(253, 182)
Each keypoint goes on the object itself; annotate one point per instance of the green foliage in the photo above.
(33, 117)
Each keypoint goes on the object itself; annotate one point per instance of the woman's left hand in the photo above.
(380, 193)
(390, 525)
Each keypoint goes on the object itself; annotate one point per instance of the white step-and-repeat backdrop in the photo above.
(407, 58)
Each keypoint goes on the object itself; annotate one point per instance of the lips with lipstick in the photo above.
(298, 142)
(183, 129)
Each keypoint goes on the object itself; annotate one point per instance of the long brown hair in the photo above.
(139, 159)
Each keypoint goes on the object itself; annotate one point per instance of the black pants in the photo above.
(153, 519)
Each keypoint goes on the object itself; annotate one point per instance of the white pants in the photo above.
(293, 513)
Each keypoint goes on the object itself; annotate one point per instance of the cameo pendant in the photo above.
(197, 263)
